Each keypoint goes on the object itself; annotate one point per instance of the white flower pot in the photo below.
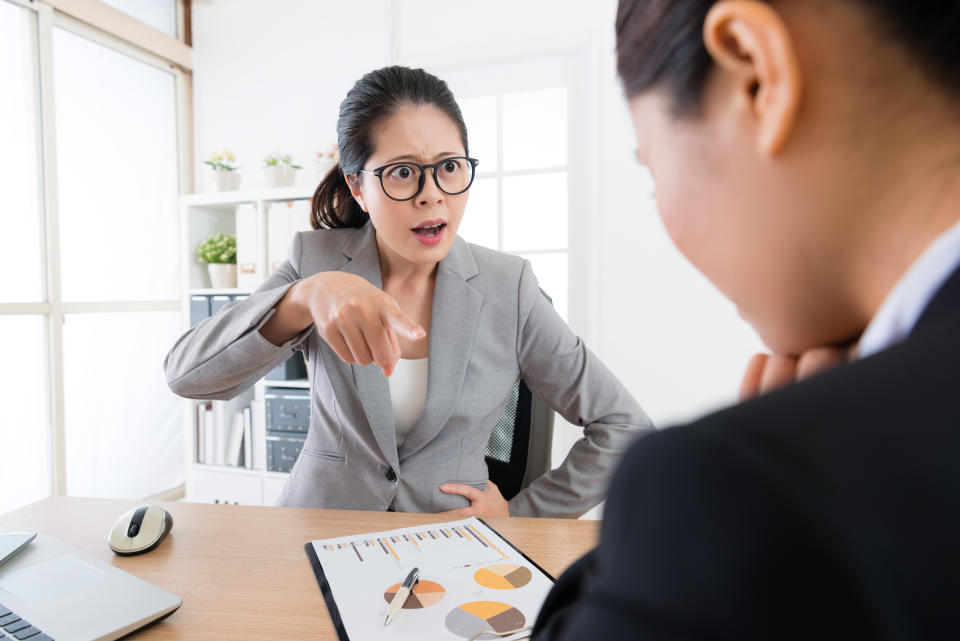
(279, 175)
(323, 166)
(224, 180)
(222, 275)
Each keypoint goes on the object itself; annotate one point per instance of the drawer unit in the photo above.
(287, 410)
(288, 419)
(282, 452)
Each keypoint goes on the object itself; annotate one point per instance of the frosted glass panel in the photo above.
(20, 256)
(535, 129)
(123, 425)
(479, 223)
(117, 172)
(24, 427)
(159, 14)
(535, 212)
(480, 116)
(551, 271)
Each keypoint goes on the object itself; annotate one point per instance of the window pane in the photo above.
(123, 426)
(19, 162)
(535, 129)
(117, 174)
(479, 223)
(480, 116)
(551, 271)
(24, 428)
(535, 212)
(159, 14)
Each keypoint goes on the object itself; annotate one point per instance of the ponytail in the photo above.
(333, 206)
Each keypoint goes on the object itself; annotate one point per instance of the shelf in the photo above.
(297, 382)
(227, 469)
(227, 200)
(206, 291)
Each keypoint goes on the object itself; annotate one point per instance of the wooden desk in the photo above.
(242, 571)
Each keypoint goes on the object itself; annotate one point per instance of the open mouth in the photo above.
(429, 231)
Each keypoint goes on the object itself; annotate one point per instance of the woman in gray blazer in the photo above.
(413, 337)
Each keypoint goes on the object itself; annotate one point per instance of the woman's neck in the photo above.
(397, 271)
(917, 199)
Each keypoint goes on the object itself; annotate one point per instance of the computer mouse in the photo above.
(139, 530)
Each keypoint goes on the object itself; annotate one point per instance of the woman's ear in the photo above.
(749, 40)
(353, 182)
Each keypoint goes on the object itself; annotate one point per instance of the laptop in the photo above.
(51, 591)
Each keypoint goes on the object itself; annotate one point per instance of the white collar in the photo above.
(904, 305)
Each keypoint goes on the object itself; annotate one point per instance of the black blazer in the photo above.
(829, 509)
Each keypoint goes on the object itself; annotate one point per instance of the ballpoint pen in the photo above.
(406, 589)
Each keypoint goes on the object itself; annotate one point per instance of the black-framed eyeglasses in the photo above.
(405, 179)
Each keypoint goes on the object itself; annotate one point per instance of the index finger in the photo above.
(394, 318)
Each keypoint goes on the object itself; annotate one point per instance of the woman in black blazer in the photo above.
(807, 160)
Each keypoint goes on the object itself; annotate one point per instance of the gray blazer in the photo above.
(490, 326)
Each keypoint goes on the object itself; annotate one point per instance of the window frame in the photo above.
(111, 28)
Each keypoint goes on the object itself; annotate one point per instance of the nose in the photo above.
(430, 194)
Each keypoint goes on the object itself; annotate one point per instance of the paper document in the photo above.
(471, 581)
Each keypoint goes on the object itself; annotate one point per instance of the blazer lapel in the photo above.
(453, 323)
(372, 387)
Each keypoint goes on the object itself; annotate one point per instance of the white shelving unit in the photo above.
(200, 216)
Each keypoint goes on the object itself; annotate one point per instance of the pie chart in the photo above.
(425, 594)
(475, 617)
(503, 577)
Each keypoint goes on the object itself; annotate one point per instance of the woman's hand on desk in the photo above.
(766, 372)
(482, 503)
(359, 321)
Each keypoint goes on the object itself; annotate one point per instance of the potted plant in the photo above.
(324, 161)
(279, 170)
(225, 174)
(219, 254)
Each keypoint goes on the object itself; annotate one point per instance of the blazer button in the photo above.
(390, 474)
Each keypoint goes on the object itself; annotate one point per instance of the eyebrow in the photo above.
(415, 158)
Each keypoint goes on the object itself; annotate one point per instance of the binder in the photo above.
(235, 440)
(209, 436)
(248, 247)
(199, 309)
(259, 435)
(247, 436)
(284, 219)
(278, 234)
(299, 211)
(218, 302)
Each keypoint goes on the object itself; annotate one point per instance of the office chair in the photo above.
(519, 447)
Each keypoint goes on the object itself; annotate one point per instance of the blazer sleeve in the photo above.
(560, 370)
(226, 354)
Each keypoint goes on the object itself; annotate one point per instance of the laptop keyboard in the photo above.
(13, 627)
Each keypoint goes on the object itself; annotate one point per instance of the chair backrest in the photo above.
(519, 447)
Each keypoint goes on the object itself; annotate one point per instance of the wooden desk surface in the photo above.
(242, 571)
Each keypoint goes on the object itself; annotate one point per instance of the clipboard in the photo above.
(472, 580)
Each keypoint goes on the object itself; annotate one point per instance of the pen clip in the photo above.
(412, 579)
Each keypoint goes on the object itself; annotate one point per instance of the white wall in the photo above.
(271, 75)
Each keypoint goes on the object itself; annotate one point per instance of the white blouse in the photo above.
(408, 393)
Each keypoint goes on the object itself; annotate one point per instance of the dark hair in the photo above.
(373, 99)
(660, 43)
